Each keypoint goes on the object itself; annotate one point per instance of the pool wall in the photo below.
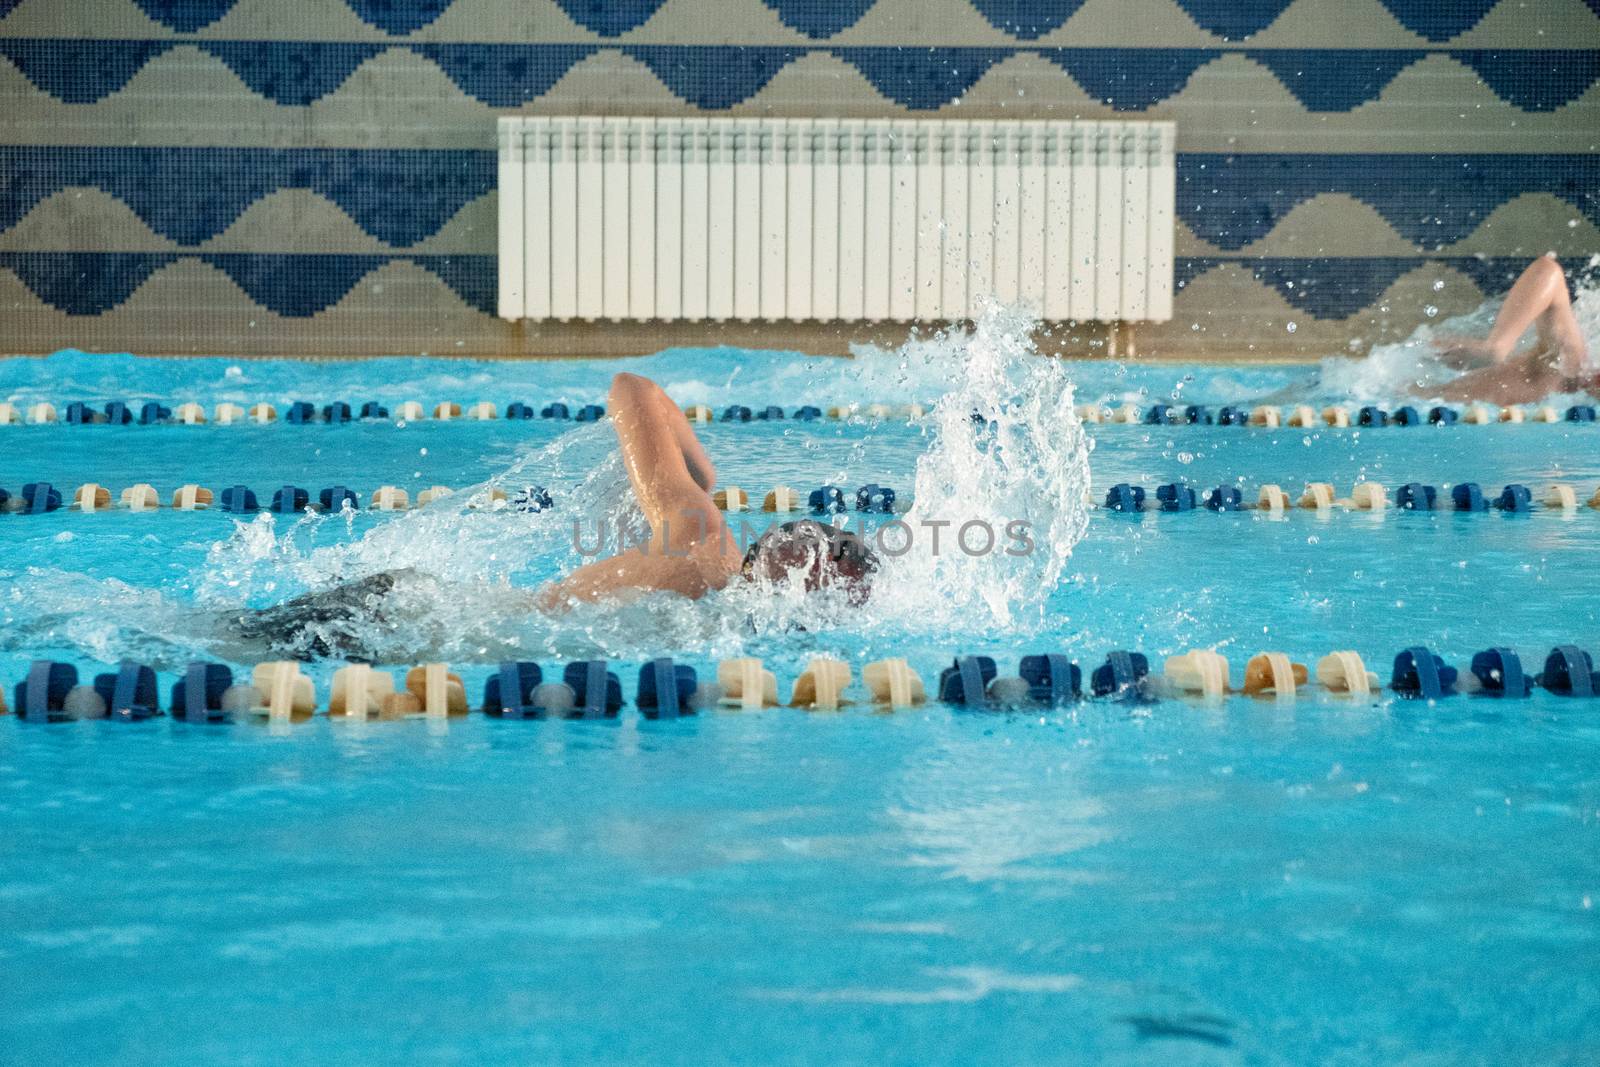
(317, 177)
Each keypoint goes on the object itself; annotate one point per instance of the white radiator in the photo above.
(824, 219)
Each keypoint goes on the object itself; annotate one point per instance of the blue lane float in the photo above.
(555, 411)
(807, 413)
(1468, 496)
(873, 497)
(1052, 678)
(337, 498)
(508, 692)
(373, 410)
(1442, 416)
(197, 696)
(1499, 673)
(1580, 413)
(1175, 497)
(967, 680)
(1569, 672)
(1125, 497)
(130, 693)
(1372, 416)
(1420, 674)
(1224, 498)
(531, 499)
(736, 413)
(666, 689)
(239, 499)
(1120, 675)
(1414, 496)
(1515, 498)
(826, 500)
(1405, 416)
(1233, 416)
(1189, 415)
(770, 413)
(39, 498)
(590, 413)
(518, 411)
(290, 499)
(300, 413)
(117, 413)
(152, 414)
(42, 696)
(597, 690)
(337, 412)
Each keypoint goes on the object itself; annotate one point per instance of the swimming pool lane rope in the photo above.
(1269, 500)
(305, 413)
(665, 689)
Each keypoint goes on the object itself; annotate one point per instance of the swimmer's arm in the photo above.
(641, 408)
(634, 571)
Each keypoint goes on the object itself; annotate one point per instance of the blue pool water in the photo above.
(1331, 882)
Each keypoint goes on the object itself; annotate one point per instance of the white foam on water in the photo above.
(1007, 453)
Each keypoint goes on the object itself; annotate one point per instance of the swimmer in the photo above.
(691, 551)
(1557, 363)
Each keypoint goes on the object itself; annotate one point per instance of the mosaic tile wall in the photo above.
(317, 177)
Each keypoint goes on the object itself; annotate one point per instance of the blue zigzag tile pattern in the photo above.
(1023, 19)
(1027, 19)
(399, 196)
(390, 16)
(300, 285)
(295, 285)
(1430, 200)
(820, 18)
(610, 18)
(1337, 287)
(185, 16)
(402, 196)
(714, 77)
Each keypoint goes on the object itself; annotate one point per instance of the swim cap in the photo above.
(822, 554)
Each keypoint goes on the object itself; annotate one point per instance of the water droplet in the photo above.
(1292, 327)
(1430, 311)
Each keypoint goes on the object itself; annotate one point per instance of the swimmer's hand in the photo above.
(554, 599)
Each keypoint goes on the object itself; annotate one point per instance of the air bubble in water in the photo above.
(1292, 327)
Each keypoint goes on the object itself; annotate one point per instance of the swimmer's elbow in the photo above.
(626, 386)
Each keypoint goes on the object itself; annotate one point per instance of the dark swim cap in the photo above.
(826, 556)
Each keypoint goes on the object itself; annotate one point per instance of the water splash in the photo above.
(1007, 449)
